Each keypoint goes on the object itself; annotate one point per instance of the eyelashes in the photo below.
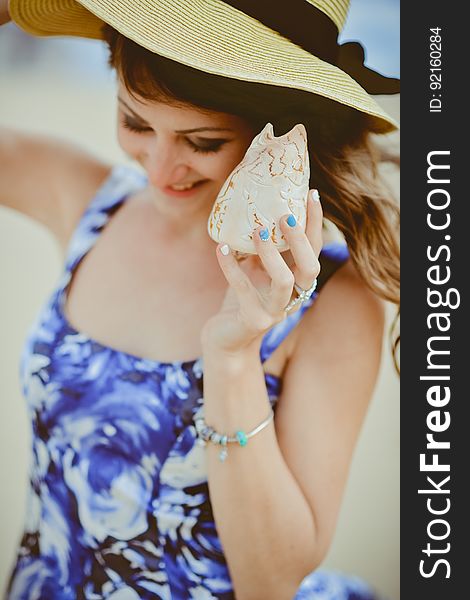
(135, 128)
(206, 147)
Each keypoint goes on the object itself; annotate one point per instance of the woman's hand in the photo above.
(261, 286)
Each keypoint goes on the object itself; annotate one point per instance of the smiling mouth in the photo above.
(181, 187)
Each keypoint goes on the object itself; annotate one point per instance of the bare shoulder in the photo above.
(340, 337)
(48, 179)
(327, 387)
(83, 175)
(346, 314)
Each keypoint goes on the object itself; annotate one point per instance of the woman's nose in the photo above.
(163, 163)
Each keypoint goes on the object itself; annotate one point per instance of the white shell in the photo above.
(272, 180)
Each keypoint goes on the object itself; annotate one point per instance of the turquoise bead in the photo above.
(241, 437)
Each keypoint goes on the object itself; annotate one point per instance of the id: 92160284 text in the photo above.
(435, 69)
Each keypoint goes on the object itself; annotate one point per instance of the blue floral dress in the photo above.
(118, 505)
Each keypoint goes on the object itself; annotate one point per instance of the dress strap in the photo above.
(120, 183)
(332, 257)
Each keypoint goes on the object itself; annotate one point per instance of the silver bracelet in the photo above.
(206, 433)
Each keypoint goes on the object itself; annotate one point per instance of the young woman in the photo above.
(192, 432)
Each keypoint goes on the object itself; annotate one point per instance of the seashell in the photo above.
(271, 180)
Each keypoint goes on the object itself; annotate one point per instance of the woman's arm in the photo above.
(47, 179)
(276, 500)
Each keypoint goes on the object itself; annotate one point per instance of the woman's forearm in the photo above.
(264, 521)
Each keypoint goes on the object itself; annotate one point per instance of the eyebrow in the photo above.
(195, 130)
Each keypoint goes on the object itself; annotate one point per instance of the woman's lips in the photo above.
(171, 191)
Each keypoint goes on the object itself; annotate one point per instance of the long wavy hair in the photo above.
(343, 158)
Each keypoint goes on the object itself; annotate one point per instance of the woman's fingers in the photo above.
(314, 226)
(234, 275)
(253, 313)
(282, 278)
(257, 305)
(305, 246)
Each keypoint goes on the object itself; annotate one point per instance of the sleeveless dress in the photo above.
(118, 505)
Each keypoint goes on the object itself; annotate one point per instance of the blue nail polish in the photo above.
(264, 234)
(291, 221)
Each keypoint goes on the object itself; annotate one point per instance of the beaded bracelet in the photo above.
(206, 433)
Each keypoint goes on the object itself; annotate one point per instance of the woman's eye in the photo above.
(206, 146)
(133, 126)
(203, 146)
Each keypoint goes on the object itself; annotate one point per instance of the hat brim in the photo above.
(210, 36)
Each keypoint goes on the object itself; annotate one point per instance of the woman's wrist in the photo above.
(235, 393)
(233, 362)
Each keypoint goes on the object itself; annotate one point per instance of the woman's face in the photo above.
(187, 153)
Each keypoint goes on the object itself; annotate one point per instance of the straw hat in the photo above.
(285, 43)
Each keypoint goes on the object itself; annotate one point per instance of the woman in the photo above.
(126, 501)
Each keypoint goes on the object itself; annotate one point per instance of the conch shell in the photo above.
(271, 180)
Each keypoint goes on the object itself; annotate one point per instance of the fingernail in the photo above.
(291, 221)
(264, 234)
(315, 196)
(225, 249)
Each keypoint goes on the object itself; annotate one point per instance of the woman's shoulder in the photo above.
(48, 179)
(45, 177)
(347, 314)
(347, 284)
(344, 314)
(82, 176)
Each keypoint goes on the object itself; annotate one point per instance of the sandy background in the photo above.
(78, 103)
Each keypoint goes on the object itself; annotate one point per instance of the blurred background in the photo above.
(63, 87)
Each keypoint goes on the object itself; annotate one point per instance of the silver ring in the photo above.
(303, 295)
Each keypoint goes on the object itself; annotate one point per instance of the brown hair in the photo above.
(343, 159)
